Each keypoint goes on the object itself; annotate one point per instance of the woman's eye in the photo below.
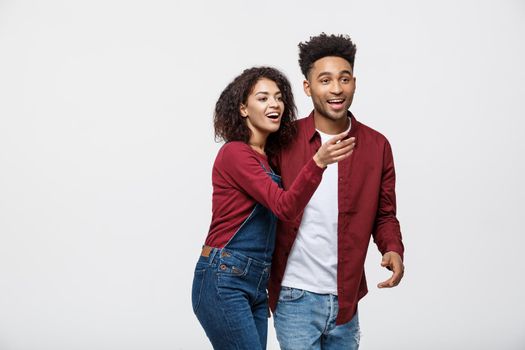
(263, 99)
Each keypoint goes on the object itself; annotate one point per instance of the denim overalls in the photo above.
(229, 286)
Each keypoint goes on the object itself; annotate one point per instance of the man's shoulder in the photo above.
(304, 129)
(302, 123)
(371, 133)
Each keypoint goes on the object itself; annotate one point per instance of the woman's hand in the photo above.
(334, 150)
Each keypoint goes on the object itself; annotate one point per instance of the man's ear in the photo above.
(306, 87)
(243, 111)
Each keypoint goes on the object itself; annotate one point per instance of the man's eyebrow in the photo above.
(323, 73)
(328, 73)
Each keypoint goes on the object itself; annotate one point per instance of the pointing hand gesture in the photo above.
(334, 150)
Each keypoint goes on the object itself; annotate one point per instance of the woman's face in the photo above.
(264, 108)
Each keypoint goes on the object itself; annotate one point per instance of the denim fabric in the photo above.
(229, 294)
(256, 236)
(306, 321)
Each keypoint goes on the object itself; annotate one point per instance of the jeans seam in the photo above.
(326, 329)
(302, 292)
(201, 285)
(231, 339)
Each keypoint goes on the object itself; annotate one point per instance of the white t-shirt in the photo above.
(312, 264)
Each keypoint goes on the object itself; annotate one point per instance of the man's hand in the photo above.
(393, 262)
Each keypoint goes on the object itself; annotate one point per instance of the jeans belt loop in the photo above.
(209, 252)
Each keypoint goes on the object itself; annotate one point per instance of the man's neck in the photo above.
(330, 126)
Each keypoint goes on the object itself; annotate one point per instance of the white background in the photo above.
(106, 148)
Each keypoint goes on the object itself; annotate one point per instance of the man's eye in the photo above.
(345, 80)
(325, 81)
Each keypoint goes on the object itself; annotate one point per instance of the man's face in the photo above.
(331, 85)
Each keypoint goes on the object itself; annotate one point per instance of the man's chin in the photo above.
(338, 116)
(333, 115)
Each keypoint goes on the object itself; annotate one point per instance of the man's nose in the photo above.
(336, 88)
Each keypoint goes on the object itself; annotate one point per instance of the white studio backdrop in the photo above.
(106, 149)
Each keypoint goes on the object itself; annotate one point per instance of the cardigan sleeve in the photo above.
(238, 164)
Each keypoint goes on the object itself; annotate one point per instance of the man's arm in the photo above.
(387, 233)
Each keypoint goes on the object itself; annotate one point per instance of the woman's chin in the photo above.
(273, 128)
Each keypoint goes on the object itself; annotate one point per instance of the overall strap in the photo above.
(264, 168)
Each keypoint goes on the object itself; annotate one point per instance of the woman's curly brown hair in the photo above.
(231, 126)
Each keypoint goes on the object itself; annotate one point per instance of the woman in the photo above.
(254, 115)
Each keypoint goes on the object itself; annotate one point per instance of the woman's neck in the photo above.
(258, 142)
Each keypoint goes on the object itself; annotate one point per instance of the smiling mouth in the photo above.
(336, 101)
(273, 115)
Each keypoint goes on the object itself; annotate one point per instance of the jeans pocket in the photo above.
(288, 294)
(233, 266)
(196, 289)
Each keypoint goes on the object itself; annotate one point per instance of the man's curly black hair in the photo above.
(325, 45)
(231, 126)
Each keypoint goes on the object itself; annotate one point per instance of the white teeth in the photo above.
(335, 101)
(272, 115)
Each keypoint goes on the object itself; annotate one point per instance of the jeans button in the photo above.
(222, 267)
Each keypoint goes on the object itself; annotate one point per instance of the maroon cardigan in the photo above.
(240, 182)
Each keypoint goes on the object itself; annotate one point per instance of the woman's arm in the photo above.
(239, 165)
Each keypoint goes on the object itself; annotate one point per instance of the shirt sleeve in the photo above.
(241, 168)
(387, 232)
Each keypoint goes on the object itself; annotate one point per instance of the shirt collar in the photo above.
(311, 131)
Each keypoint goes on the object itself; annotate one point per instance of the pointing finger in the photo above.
(338, 138)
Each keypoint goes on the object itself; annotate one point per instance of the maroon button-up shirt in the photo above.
(367, 207)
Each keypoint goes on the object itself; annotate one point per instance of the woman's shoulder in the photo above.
(236, 149)
(234, 152)
(235, 146)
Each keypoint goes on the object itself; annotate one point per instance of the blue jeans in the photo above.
(229, 285)
(229, 299)
(306, 321)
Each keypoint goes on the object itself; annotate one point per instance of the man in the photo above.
(317, 275)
